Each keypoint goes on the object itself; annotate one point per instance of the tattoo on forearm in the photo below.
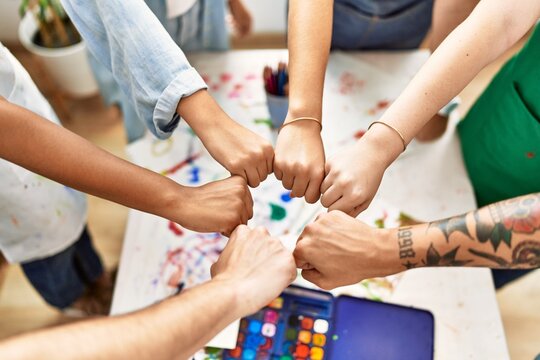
(519, 216)
(406, 251)
(452, 225)
(434, 258)
(526, 254)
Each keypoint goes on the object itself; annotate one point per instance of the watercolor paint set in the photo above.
(307, 324)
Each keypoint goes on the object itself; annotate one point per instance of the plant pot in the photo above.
(68, 66)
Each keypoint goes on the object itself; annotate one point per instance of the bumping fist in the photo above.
(299, 160)
(241, 152)
(259, 266)
(352, 179)
(338, 250)
(219, 206)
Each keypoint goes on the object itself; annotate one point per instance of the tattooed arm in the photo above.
(502, 235)
(339, 250)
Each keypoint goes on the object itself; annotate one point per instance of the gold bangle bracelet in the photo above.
(304, 118)
(393, 128)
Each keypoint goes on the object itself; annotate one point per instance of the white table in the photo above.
(428, 182)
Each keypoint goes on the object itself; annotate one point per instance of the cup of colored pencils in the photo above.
(276, 84)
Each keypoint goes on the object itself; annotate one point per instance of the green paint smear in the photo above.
(267, 122)
(278, 212)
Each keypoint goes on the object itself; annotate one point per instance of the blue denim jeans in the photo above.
(62, 278)
(380, 24)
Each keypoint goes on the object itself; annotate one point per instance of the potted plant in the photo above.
(46, 31)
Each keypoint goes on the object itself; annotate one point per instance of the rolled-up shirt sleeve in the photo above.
(147, 64)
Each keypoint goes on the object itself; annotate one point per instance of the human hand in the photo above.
(353, 175)
(299, 160)
(239, 150)
(259, 266)
(241, 18)
(219, 206)
(338, 250)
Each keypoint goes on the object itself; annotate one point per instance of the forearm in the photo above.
(310, 31)
(447, 15)
(173, 329)
(147, 64)
(491, 29)
(501, 235)
(40, 146)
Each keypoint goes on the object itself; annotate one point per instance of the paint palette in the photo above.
(307, 324)
(294, 326)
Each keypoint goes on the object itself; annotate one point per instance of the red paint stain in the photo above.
(214, 87)
(176, 229)
(530, 155)
(359, 134)
(238, 86)
(383, 104)
(180, 165)
(225, 77)
(380, 106)
(14, 221)
(251, 77)
(349, 83)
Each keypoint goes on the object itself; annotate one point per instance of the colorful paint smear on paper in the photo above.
(381, 106)
(349, 83)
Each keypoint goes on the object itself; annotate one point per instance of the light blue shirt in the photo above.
(147, 64)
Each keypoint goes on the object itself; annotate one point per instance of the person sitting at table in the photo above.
(195, 25)
(338, 250)
(44, 223)
(161, 84)
(500, 136)
(252, 271)
(317, 26)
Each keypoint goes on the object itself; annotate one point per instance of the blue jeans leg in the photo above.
(502, 277)
(380, 25)
(62, 278)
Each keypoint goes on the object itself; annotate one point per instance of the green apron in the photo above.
(500, 136)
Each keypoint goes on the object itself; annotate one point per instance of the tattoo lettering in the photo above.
(526, 254)
(406, 250)
(434, 258)
(405, 243)
(452, 225)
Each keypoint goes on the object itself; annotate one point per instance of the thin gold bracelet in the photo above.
(304, 118)
(393, 128)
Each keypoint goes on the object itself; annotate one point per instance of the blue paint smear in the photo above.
(194, 175)
(286, 197)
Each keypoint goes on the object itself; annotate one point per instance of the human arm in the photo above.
(242, 20)
(493, 27)
(43, 147)
(253, 270)
(339, 250)
(155, 74)
(299, 155)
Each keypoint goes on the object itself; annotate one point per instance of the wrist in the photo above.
(300, 108)
(235, 291)
(382, 142)
(200, 110)
(389, 250)
(173, 198)
(409, 250)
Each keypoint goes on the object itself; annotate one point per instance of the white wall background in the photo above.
(9, 20)
(269, 17)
